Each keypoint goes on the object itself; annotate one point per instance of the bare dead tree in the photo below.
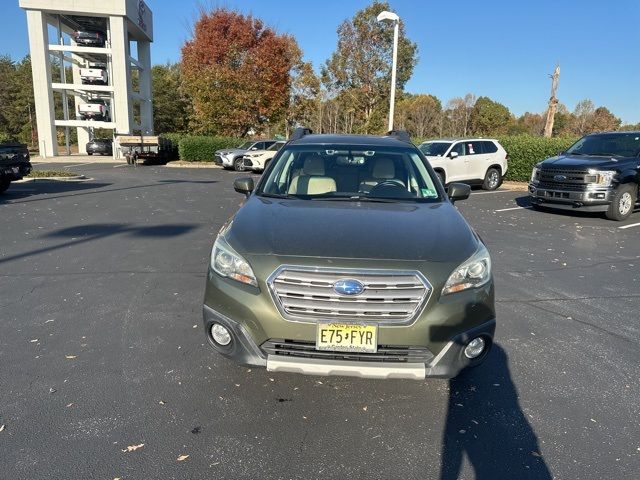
(553, 102)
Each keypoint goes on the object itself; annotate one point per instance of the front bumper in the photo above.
(15, 171)
(449, 362)
(222, 161)
(590, 200)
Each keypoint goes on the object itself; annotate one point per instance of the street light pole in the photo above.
(396, 21)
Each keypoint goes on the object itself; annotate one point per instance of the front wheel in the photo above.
(89, 153)
(622, 203)
(4, 184)
(492, 179)
(238, 165)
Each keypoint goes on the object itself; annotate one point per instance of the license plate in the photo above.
(347, 337)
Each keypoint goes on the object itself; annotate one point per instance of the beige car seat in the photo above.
(383, 169)
(312, 180)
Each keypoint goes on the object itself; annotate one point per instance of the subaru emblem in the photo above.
(559, 178)
(348, 286)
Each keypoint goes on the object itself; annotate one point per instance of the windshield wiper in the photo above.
(358, 198)
(277, 195)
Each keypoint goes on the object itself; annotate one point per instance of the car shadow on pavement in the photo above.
(486, 423)
(85, 233)
(20, 191)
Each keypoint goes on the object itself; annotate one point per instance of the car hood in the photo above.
(366, 230)
(579, 162)
(228, 151)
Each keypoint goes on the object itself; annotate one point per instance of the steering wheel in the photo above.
(390, 188)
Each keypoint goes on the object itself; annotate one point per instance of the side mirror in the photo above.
(458, 191)
(243, 185)
(453, 155)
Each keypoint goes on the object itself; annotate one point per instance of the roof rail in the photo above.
(401, 135)
(300, 132)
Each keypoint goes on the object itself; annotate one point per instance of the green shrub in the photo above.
(202, 149)
(526, 150)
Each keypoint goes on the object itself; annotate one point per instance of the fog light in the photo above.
(474, 348)
(220, 334)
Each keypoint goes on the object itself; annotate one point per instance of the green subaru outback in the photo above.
(349, 258)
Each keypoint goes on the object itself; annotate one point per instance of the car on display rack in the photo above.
(94, 74)
(598, 173)
(94, 109)
(233, 157)
(100, 146)
(14, 163)
(88, 38)
(349, 258)
(259, 160)
(481, 161)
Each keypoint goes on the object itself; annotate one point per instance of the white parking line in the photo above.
(77, 165)
(629, 226)
(513, 208)
(487, 193)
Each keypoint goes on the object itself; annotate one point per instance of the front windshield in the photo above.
(245, 146)
(610, 144)
(350, 172)
(275, 147)
(434, 149)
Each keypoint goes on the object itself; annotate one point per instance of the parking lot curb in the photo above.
(182, 164)
(76, 178)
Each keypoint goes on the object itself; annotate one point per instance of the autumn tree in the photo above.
(305, 97)
(170, 106)
(458, 115)
(359, 71)
(419, 115)
(603, 120)
(237, 73)
(489, 117)
(583, 115)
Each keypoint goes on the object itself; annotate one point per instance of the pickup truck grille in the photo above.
(385, 353)
(388, 296)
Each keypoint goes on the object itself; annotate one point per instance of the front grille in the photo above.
(247, 162)
(217, 159)
(388, 295)
(385, 353)
(572, 177)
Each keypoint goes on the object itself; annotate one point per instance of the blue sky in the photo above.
(503, 49)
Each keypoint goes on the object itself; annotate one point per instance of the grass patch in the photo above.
(50, 173)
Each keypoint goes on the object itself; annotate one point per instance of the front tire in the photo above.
(89, 153)
(622, 203)
(4, 184)
(492, 179)
(238, 165)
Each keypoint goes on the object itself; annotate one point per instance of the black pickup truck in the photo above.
(598, 173)
(14, 163)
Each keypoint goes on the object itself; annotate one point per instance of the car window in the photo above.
(245, 146)
(434, 149)
(350, 172)
(276, 146)
(459, 148)
(258, 146)
(268, 143)
(489, 147)
(621, 144)
(473, 148)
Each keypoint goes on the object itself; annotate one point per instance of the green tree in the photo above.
(237, 73)
(305, 98)
(489, 117)
(359, 71)
(16, 100)
(170, 106)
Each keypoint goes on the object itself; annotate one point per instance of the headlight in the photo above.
(227, 263)
(602, 178)
(474, 272)
(534, 174)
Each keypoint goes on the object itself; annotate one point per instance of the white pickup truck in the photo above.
(94, 109)
(95, 73)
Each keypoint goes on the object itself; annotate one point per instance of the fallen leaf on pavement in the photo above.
(161, 402)
(365, 408)
(69, 405)
(70, 357)
(182, 458)
(133, 448)
(2, 427)
(34, 340)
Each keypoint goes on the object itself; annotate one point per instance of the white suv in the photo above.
(476, 160)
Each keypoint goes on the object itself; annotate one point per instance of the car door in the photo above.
(456, 164)
(477, 160)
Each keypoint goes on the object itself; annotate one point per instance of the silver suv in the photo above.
(232, 157)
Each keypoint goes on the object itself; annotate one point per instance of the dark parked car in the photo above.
(598, 173)
(89, 38)
(349, 258)
(102, 146)
(14, 163)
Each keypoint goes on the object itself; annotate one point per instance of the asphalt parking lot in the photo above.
(105, 373)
